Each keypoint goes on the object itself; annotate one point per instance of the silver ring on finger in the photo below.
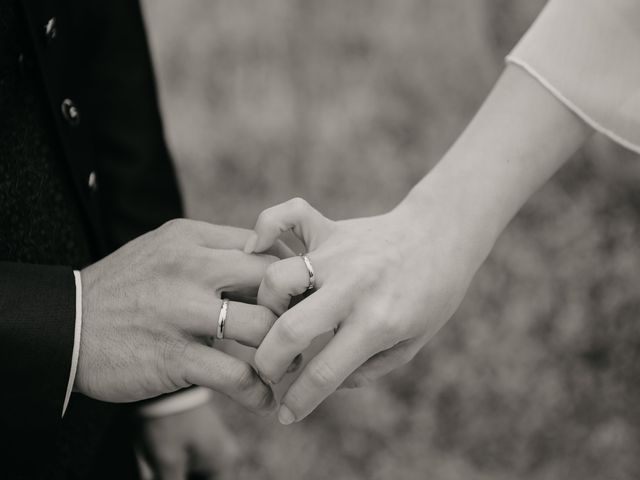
(222, 319)
(312, 274)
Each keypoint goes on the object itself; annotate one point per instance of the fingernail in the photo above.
(250, 246)
(285, 417)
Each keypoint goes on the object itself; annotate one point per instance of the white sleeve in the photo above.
(177, 402)
(76, 341)
(587, 54)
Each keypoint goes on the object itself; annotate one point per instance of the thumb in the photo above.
(309, 225)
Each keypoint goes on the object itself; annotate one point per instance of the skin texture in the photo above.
(151, 308)
(389, 283)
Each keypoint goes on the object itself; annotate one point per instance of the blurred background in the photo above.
(348, 103)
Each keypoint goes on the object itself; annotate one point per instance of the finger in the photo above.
(294, 331)
(247, 324)
(283, 280)
(207, 234)
(383, 363)
(307, 223)
(239, 282)
(234, 270)
(244, 323)
(322, 376)
(220, 236)
(213, 369)
(280, 250)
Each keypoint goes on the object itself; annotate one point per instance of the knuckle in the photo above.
(174, 225)
(266, 217)
(363, 275)
(174, 357)
(265, 317)
(262, 400)
(321, 374)
(261, 361)
(243, 378)
(298, 204)
(369, 274)
(272, 277)
(384, 323)
(172, 251)
(383, 318)
(289, 330)
(171, 258)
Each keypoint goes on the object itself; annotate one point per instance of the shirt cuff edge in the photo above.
(177, 402)
(76, 342)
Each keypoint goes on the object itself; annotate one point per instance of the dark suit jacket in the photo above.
(83, 169)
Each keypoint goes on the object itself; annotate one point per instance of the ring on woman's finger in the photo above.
(310, 270)
(222, 319)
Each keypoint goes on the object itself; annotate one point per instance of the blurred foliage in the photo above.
(348, 103)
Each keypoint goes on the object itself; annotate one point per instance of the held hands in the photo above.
(385, 284)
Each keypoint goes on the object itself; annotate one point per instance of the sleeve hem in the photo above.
(175, 403)
(76, 341)
(37, 305)
(597, 126)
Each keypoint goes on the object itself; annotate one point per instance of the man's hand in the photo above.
(150, 309)
(195, 441)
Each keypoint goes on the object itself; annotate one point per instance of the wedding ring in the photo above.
(222, 319)
(312, 274)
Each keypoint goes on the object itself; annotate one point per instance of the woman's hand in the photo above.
(388, 283)
(385, 284)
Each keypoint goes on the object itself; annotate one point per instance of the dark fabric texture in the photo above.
(40, 219)
(52, 220)
(35, 344)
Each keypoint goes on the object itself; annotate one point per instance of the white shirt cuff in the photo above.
(176, 403)
(76, 341)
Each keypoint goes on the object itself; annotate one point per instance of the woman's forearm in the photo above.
(516, 142)
(386, 284)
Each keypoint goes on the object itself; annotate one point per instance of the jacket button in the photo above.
(92, 182)
(50, 29)
(70, 112)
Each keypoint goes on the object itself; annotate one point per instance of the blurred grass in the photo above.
(348, 104)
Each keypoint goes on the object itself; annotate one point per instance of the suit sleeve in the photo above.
(37, 326)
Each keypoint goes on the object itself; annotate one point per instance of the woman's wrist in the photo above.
(518, 139)
(445, 208)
